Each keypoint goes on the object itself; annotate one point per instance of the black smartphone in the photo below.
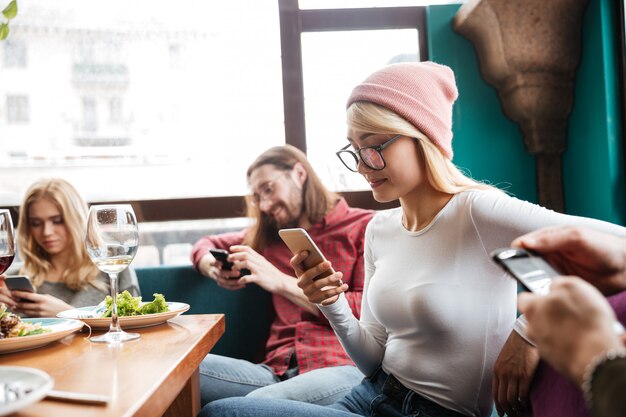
(19, 283)
(222, 256)
(532, 272)
(529, 269)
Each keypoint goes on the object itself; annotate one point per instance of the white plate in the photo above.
(37, 384)
(59, 328)
(127, 322)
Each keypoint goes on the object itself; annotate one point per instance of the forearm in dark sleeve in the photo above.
(608, 389)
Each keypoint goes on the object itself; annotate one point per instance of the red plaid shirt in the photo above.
(340, 237)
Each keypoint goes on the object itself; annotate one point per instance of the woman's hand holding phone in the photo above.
(39, 305)
(5, 294)
(316, 277)
(325, 290)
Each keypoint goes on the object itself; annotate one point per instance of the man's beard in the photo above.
(293, 211)
(286, 223)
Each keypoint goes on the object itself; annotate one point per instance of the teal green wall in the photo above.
(490, 146)
(593, 165)
(485, 143)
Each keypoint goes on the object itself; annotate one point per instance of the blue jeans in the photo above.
(224, 377)
(380, 395)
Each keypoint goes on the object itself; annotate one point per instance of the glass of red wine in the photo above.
(7, 240)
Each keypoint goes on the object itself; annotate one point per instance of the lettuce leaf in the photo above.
(127, 305)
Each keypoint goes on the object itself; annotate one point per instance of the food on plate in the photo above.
(12, 325)
(127, 305)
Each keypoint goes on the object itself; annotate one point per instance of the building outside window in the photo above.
(14, 53)
(18, 111)
(90, 118)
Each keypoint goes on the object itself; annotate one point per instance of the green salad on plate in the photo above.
(127, 305)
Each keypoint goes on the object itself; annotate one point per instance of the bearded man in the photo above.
(304, 361)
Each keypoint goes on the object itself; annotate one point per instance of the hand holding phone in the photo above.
(298, 240)
(222, 256)
(532, 272)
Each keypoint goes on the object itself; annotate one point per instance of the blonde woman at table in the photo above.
(50, 236)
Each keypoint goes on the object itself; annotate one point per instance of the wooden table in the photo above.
(153, 376)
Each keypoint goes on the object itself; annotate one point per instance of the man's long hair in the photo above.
(317, 200)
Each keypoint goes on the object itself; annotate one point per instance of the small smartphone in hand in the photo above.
(532, 272)
(19, 283)
(222, 256)
(298, 240)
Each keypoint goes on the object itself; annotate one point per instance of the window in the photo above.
(115, 110)
(17, 110)
(175, 56)
(338, 49)
(155, 100)
(89, 114)
(14, 53)
(333, 63)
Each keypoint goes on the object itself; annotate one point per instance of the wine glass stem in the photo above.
(115, 325)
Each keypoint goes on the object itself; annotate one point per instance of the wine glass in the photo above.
(112, 239)
(7, 241)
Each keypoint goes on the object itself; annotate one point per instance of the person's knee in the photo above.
(222, 408)
(273, 391)
(322, 386)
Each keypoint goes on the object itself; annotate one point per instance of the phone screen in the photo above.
(222, 256)
(19, 283)
(532, 271)
(298, 240)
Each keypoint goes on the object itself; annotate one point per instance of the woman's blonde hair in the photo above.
(441, 173)
(73, 208)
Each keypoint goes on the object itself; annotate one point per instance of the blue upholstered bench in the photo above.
(248, 311)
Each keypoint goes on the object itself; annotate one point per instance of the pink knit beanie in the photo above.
(420, 92)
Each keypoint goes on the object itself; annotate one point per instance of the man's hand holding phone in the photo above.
(597, 257)
(222, 256)
(212, 267)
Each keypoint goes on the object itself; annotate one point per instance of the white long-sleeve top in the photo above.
(436, 310)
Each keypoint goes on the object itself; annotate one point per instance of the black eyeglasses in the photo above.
(266, 191)
(371, 156)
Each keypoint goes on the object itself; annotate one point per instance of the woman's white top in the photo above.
(436, 310)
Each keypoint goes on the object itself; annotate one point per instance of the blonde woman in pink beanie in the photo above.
(436, 312)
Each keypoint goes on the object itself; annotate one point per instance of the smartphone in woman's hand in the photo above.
(19, 283)
(298, 240)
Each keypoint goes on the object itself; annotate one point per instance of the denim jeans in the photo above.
(380, 395)
(224, 377)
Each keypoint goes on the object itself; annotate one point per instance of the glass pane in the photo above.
(333, 64)
(141, 99)
(170, 243)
